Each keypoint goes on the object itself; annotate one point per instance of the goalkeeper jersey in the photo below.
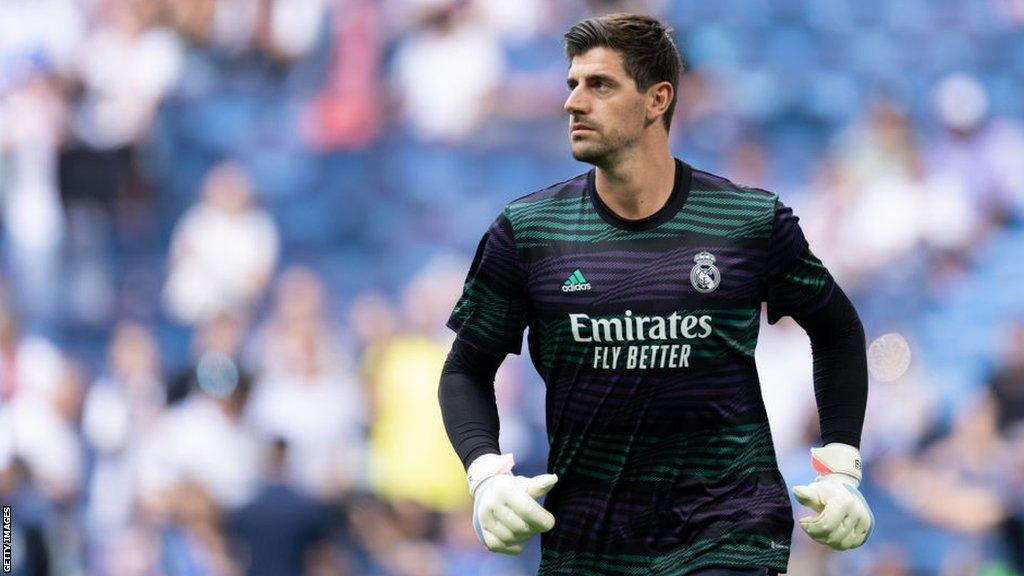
(644, 333)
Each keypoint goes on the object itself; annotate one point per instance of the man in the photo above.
(641, 282)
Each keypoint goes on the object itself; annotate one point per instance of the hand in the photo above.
(505, 514)
(843, 519)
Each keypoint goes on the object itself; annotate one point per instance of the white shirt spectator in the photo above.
(321, 416)
(125, 74)
(223, 251)
(199, 440)
(445, 75)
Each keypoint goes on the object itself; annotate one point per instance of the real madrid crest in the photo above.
(705, 276)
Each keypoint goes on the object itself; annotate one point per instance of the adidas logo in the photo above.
(576, 282)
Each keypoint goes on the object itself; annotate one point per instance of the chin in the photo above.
(588, 154)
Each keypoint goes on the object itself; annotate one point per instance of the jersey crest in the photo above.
(705, 276)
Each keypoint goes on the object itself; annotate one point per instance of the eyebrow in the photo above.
(591, 77)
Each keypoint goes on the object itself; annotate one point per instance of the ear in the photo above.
(659, 96)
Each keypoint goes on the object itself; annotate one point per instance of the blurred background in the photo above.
(231, 231)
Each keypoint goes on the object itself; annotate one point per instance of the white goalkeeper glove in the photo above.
(505, 514)
(844, 519)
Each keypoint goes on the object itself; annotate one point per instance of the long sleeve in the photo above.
(798, 284)
(468, 405)
(840, 368)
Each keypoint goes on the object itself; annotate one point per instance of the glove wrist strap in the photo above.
(836, 458)
(485, 467)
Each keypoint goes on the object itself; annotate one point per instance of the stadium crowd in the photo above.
(232, 231)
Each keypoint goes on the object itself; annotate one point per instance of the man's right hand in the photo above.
(505, 512)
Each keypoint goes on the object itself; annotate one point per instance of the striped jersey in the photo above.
(644, 333)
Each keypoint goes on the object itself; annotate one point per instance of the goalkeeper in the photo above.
(642, 282)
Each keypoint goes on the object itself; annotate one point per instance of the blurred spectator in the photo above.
(881, 145)
(828, 199)
(410, 456)
(877, 157)
(300, 313)
(1007, 382)
(290, 28)
(37, 36)
(399, 536)
(217, 341)
(447, 72)
(122, 405)
(278, 531)
(962, 481)
(41, 423)
(980, 153)
(193, 18)
(29, 365)
(190, 538)
(901, 415)
(204, 436)
(307, 393)
(346, 114)
(372, 319)
(1006, 388)
(31, 129)
(134, 551)
(223, 250)
(125, 65)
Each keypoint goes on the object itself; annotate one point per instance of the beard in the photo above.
(601, 150)
(595, 153)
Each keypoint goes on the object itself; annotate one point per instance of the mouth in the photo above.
(578, 128)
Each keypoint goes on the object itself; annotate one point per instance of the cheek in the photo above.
(629, 118)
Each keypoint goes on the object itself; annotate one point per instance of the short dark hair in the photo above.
(648, 52)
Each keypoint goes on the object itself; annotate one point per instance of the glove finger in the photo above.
(859, 534)
(519, 528)
(825, 523)
(500, 532)
(809, 496)
(511, 550)
(538, 519)
(495, 544)
(837, 538)
(863, 512)
(541, 485)
(491, 542)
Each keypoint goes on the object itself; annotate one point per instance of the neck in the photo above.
(637, 183)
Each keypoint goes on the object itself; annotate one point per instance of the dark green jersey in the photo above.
(644, 333)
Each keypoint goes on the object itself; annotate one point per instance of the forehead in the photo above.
(597, 61)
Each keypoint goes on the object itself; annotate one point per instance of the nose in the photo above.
(576, 104)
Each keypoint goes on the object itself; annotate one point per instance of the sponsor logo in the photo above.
(576, 282)
(632, 328)
(650, 341)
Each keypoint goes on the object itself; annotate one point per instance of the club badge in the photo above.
(705, 276)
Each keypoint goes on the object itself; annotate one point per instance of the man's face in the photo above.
(606, 111)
